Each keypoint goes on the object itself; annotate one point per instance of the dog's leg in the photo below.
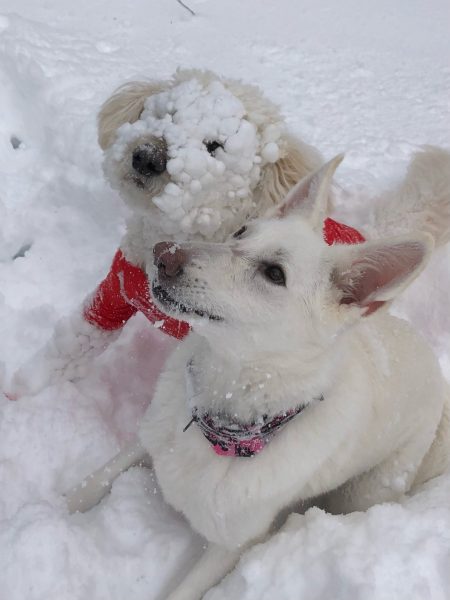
(67, 356)
(92, 489)
(213, 565)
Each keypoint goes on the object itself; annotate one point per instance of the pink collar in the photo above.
(230, 437)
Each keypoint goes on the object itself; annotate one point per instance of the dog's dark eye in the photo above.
(240, 232)
(275, 274)
(212, 147)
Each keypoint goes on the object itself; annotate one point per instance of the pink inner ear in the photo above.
(380, 268)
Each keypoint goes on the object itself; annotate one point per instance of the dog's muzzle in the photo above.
(170, 260)
(150, 159)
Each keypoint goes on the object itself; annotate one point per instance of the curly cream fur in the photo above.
(297, 161)
(124, 106)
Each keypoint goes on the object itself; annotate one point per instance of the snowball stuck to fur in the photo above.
(206, 186)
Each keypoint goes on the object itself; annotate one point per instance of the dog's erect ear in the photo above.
(309, 197)
(124, 106)
(371, 274)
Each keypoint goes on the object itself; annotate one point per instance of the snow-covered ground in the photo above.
(368, 78)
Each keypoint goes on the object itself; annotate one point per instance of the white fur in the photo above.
(382, 426)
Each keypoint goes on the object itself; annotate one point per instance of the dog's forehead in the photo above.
(294, 235)
(195, 98)
(192, 112)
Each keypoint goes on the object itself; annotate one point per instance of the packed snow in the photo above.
(188, 117)
(370, 79)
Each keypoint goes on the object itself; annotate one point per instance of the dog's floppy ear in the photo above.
(371, 274)
(309, 197)
(124, 106)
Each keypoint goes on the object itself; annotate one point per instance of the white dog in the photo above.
(295, 385)
(194, 158)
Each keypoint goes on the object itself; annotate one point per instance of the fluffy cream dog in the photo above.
(196, 157)
(295, 384)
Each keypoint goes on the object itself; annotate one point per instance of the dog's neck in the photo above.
(140, 237)
(263, 385)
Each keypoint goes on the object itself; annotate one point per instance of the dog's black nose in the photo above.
(169, 258)
(150, 159)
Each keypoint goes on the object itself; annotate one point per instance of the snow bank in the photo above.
(393, 551)
(368, 79)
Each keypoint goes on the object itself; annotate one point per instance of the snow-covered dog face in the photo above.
(192, 152)
(276, 285)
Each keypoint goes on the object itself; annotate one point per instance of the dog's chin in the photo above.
(149, 186)
(136, 196)
(175, 308)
